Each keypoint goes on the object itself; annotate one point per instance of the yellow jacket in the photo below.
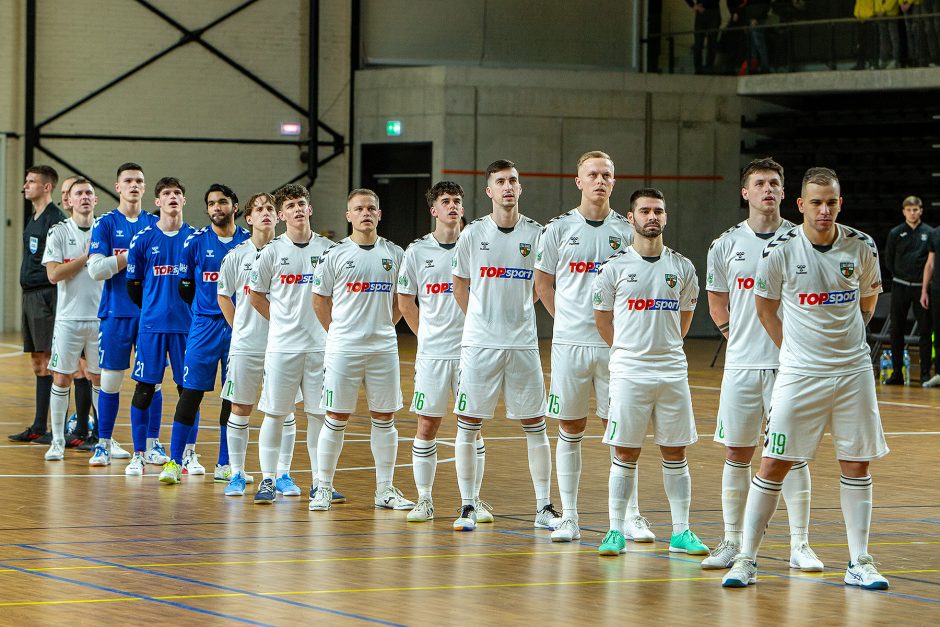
(864, 9)
(887, 7)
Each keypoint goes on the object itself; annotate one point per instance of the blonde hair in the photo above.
(912, 200)
(594, 154)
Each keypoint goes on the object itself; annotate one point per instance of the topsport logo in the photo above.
(493, 272)
(652, 304)
(293, 279)
(580, 267)
(367, 286)
(828, 298)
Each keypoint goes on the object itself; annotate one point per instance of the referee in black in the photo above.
(39, 295)
(905, 257)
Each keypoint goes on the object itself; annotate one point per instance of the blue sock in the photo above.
(138, 427)
(223, 447)
(178, 440)
(156, 415)
(108, 404)
(191, 439)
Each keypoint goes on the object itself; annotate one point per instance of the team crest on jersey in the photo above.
(387, 264)
(847, 268)
(314, 260)
(403, 281)
(597, 298)
(615, 242)
(671, 280)
(710, 278)
(253, 276)
(33, 244)
(525, 249)
(761, 283)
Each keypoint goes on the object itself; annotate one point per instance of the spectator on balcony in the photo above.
(865, 53)
(889, 39)
(707, 22)
(921, 37)
(755, 16)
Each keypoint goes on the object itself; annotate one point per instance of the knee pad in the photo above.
(225, 413)
(188, 406)
(111, 381)
(143, 395)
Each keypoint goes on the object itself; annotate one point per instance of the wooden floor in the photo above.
(90, 546)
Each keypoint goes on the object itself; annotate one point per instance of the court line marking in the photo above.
(207, 584)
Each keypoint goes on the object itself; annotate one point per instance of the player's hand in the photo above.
(924, 300)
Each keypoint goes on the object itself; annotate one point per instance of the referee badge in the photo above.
(387, 264)
(848, 268)
(614, 242)
(671, 280)
(525, 249)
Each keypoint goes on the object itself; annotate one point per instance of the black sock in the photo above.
(43, 390)
(82, 406)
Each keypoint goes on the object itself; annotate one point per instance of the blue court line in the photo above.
(132, 595)
(215, 586)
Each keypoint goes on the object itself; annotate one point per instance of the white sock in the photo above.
(237, 435)
(678, 485)
(797, 492)
(95, 390)
(59, 409)
(151, 442)
(190, 447)
(465, 459)
(855, 495)
(269, 444)
(481, 464)
(314, 425)
(633, 505)
(540, 462)
(568, 469)
(285, 455)
(762, 501)
(424, 464)
(384, 442)
(619, 487)
(329, 446)
(735, 482)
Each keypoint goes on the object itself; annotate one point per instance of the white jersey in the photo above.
(250, 329)
(426, 272)
(646, 298)
(79, 297)
(283, 270)
(500, 264)
(361, 281)
(819, 292)
(732, 264)
(572, 249)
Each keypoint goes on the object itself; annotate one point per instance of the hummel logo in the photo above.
(210, 253)
(119, 233)
(631, 278)
(71, 241)
(155, 250)
(285, 261)
(801, 269)
(739, 256)
(574, 240)
(246, 267)
(350, 265)
(428, 263)
(484, 245)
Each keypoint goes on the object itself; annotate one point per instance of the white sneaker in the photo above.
(547, 518)
(743, 573)
(136, 467)
(638, 529)
(484, 511)
(118, 452)
(191, 465)
(804, 558)
(722, 557)
(101, 457)
(864, 574)
(423, 511)
(156, 455)
(56, 451)
(467, 521)
(390, 498)
(567, 531)
(932, 382)
(223, 474)
(322, 499)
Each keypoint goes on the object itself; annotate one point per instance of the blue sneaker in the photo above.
(236, 485)
(266, 493)
(286, 486)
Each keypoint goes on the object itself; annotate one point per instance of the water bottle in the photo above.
(907, 368)
(883, 366)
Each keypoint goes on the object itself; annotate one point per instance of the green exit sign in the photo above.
(393, 128)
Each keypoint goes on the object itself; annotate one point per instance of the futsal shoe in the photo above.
(614, 544)
(286, 486)
(101, 457)
(236, 485)
(28, 435)
(864, 574)
(136, 466)
(191, 465)
(547, 518)
(932, 382)
(45, 438)
(266, 493)
(637, 528)
(722, 557)
(567, 531)
(467, 521)
(118, 452)
(56, 451)
(222, 474)
(171, 473)
(804, 558)
(423, 511)
(338, 497)
(743, 573)
(484, 511)
(89, 443)
(687, 542)
(156, 455)
(392, 498)
(322, 499)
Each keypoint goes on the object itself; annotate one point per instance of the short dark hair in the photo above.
(645, 192)
(290, 192)
(250, 205)
(47, 172)
(363, 191)
(226, 191)
(819, 176)
(440, 188)
(498, 166)
(764, 163)
(130, 165)
(168, 182)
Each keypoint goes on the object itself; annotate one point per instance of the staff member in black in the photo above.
(39, 295)
(905, 257)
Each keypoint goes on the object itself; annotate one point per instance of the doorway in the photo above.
(400, 174)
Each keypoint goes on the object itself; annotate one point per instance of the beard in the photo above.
(653, 230)
(222, 220)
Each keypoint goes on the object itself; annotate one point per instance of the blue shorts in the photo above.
(206, 348)
(152, 351)
(116, 337)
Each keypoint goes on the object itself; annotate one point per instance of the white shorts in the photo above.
(243, 377)
(343, 372)
(634, 402)
(576, 372)
(803, 406)
(286, 374)
(484, 372)
(435, 381)
(69, 339)
(745, 400)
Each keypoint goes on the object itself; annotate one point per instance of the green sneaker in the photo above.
(614, 544)
(171, 472)
(687, 542)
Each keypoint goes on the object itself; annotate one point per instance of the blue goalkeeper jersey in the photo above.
(203, 253)
(111, 234)
(156, 259)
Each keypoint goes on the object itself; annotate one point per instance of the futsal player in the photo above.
(572, 248)
(751, 362)
(493, 284)
(643, 299)
(354, 299)
(826, 279)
